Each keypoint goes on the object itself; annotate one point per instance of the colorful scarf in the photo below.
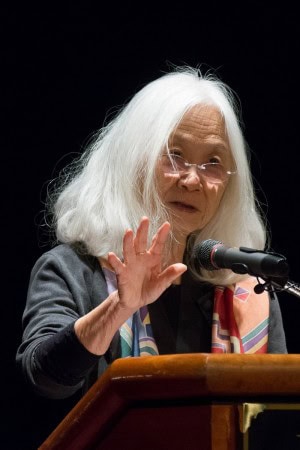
(136, 333)
(240, 322)
(240, 319)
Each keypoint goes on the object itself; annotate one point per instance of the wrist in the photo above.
(96, 329)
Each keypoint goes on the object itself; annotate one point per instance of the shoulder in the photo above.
(67, 261)
(64, 268)
(65, 253)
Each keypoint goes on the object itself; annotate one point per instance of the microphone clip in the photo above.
(270, 284)
(277, 284)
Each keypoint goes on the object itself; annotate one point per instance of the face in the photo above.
(192, 201)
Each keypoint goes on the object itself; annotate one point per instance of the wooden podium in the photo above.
(186, 402)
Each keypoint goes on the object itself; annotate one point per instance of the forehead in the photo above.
(202, 123)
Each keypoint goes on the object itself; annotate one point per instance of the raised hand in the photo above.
(141, 279)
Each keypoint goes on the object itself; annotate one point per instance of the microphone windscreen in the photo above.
(202, 254)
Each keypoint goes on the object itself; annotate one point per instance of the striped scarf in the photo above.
(136, 333)
(240, 321)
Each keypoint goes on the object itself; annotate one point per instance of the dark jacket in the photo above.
(66, 285)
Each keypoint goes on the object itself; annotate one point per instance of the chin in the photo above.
(182, 230)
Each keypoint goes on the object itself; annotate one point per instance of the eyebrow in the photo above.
(218, 146)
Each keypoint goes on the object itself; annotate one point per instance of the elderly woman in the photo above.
(169, 171)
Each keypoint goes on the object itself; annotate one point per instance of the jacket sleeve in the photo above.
(50, 356)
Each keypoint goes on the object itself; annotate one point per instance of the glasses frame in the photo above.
(199, 167)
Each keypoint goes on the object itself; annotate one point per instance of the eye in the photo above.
(175, 152)
(215, 159)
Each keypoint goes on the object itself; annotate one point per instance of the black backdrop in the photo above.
(64, 67)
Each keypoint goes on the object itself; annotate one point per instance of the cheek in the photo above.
(214, 194)
(165, 182)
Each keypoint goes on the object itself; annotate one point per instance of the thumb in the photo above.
(171, 273)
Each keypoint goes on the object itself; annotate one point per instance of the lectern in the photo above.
(186, 402)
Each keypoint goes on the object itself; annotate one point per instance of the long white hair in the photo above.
(113, 185)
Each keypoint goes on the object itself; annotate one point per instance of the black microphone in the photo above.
(213, 255)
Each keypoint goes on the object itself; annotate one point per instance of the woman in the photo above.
(169, 171)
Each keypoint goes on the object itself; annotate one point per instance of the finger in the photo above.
(115, 263)
(159, 240)
(141, 238)
(171, 273)
(128, 246)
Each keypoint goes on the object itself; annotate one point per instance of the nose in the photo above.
(190, 179)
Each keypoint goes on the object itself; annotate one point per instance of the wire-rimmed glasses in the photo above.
(213, 171)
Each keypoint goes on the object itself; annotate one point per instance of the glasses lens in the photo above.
(173, 163)
(215, 172)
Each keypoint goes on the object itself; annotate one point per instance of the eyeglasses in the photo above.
(213, 172)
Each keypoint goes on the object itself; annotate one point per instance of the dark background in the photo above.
(65, 67)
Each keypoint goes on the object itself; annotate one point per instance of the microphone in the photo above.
(213, 255)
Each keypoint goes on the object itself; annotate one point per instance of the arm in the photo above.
(64, 334)
(61, 289)
(141, 281)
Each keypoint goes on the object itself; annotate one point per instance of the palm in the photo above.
(140, 278)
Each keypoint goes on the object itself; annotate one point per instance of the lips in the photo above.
(183, 207)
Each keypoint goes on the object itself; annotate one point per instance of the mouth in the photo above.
(183, 207)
